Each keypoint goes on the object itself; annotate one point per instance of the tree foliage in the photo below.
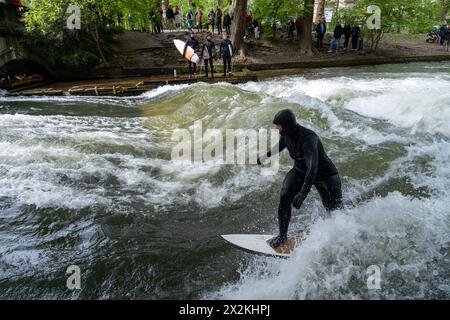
(397, 16)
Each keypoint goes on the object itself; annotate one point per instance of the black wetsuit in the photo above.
(193, 43)
(210, 47)
(312, 167)
(226, 52)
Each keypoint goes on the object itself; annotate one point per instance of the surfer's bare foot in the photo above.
(277, 241)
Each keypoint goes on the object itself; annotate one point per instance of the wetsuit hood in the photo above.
(286, 119)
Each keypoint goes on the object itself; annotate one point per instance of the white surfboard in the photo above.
(190, 53)
(259, 244)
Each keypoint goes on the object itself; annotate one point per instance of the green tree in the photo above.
(50, 18)
(272, 11)
(396, 16)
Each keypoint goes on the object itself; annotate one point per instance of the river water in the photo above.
(89, 181)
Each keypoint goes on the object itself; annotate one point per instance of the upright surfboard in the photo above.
(259, 244)
(190, 53)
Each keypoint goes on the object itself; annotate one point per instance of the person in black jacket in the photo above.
(355, 36)
(227, 23)
(347, 34)
(321, 30)
(338, 30)
(208, 54)
(311, 167)
(193, 43)
(219, 20)
(226, 52)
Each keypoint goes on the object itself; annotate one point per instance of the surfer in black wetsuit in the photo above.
(226, 52)
(208, 55)
(312, 167)
(193, 43)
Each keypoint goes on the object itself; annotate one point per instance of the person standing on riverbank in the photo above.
(208, 54)
(321, 30)
(170, 18)
(211, 19)
(219, 20)
(441, 33)
(291, 28)
(447, 38)
(193, 43)
(198, 19)
(336, 39)
(226, 52)
(227, 23)
(155, 17)
(347, 34)
(190, 20)
(177, 15)
(298, 27)
(356, 30)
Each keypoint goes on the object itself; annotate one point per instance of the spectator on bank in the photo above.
(336, 39)
(355, 37)
(152, 17)
(211, 20)
(248, 23)
(290, 29)
(227, 23)
(442, 34)
(177, 14)
(198, 19)
(208, 54)
(170, 18)
(226, 52)
(347, 34)
(219, 20)
(190, 20)
(257, 28)
(321, 30)
(298, 27)
(447, 38)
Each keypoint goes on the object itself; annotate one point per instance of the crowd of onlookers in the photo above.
(171, 18)
(348, 32)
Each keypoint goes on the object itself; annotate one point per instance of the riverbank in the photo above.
(146, 61)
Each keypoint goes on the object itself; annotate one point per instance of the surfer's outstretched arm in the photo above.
(277, 148)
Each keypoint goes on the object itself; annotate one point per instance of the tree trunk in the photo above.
(306, 33)
(380, 35)
(238, 27)
(320, 10)
(96, 37)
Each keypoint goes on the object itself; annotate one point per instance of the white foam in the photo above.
(402, 236)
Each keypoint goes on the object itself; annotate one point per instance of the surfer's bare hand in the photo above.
(298, 200)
